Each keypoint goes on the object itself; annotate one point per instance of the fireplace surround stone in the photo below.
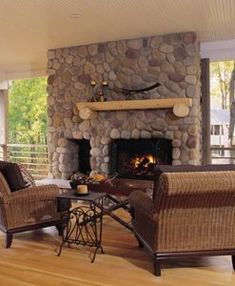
(172, 60)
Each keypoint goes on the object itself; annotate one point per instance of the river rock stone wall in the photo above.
(171, 60)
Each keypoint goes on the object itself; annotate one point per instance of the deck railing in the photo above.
(222, 155)
(34, 157)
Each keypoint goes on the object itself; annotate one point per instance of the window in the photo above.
(222, 76)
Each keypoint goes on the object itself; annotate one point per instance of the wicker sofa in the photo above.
(27, 208)
(190, 214)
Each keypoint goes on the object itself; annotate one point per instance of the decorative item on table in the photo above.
(100, 181)
(98, 177)
(82, 189)
(79, 179)
(101, 178)
(82, 183)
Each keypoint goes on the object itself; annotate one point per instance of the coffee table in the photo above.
(117, 196)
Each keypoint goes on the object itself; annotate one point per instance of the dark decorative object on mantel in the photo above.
(98, 90)
(129, 92)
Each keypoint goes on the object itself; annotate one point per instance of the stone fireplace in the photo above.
(129, 158)
(171, 60)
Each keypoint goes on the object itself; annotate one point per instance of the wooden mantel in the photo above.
(87, 110)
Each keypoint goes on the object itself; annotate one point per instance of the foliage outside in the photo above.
(222, 89)
(28, 111)
(220, 80)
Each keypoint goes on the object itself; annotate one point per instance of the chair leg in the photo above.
(60, 229)
(233, 261)
(157, 267)
(9, 237)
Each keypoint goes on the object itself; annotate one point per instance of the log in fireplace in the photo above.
(136, 158)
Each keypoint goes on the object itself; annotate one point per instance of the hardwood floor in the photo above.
(32, 260)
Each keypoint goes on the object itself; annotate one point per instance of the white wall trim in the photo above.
(4, 117)
(4, 85)
(26, 74)
(218, 51)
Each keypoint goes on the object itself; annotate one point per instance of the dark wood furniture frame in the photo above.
(9, 233)
(161, 256)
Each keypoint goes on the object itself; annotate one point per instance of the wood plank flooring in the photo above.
(32, 260)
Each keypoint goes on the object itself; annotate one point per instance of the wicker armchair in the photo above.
(27, 209)
(191, 214)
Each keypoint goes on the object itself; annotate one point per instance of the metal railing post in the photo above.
(4, 149)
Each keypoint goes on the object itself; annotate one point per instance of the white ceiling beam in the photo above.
(218, 51)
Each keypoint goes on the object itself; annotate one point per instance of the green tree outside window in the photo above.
(28, 111)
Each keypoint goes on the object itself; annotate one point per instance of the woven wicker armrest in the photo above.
(141, 202)
(39, 193)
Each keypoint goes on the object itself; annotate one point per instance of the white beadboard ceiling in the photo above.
(28, 28)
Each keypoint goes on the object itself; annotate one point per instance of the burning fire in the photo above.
(143, 161)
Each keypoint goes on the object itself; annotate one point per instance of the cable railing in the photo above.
(222, 155)
(33, 156)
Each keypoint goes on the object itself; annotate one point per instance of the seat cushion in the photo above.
(3, 165)
(13, 176)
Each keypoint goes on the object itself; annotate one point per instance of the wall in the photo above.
(172, 60)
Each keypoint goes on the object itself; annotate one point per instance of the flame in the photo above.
(139, 160)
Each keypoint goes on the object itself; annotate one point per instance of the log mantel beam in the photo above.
(180, 106)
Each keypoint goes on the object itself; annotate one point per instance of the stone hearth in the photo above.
(171, 60)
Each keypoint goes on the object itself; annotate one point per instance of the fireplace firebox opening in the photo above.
(83, 149)
(84, 156)
(136, 158)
